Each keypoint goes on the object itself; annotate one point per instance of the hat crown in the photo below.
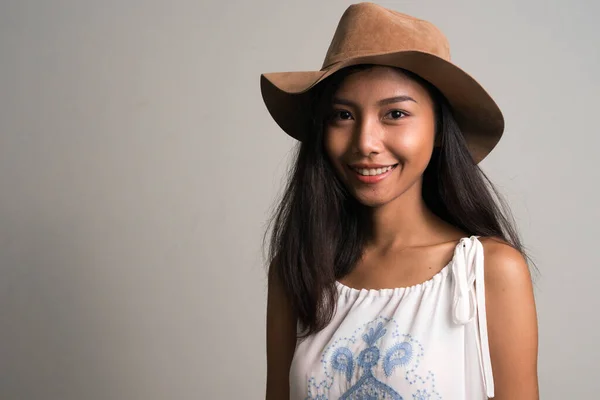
(368, 29)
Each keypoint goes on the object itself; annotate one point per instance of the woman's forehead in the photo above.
(378, 82)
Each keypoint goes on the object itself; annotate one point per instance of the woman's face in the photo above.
(379, 134)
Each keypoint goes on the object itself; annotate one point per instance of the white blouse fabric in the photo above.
(424, 342)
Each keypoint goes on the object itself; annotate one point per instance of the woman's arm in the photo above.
(512, 322)
(281, 340)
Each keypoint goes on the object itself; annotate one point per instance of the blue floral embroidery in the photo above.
(368, 387)
(343, 361)
(421, 395)
(340, 362)
(399, 355)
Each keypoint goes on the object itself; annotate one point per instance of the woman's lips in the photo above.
(372, 178)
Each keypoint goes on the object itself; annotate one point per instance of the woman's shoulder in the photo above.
(511, 315)
(508, 282)
(504, 264)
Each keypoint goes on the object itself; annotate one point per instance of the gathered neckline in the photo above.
(395, 290)
(401, 290)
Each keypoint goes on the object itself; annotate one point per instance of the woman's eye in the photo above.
(343, 115)
(397, 114)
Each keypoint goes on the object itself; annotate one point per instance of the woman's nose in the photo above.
(367, 136)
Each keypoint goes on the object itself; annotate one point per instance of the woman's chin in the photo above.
(371, 200)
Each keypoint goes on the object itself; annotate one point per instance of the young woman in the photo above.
(393, 272)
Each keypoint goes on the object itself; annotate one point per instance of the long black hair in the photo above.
(317, 229)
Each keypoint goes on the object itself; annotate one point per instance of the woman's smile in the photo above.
(372, 175)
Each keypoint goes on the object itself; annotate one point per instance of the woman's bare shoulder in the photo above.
(511, 320)
(502, 261)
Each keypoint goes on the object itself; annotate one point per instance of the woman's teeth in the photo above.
(375, 171)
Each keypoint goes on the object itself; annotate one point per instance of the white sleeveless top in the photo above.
(425, 342)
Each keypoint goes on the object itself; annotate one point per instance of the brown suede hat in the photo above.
(368, 33)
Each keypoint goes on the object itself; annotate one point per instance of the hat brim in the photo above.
(287, 96)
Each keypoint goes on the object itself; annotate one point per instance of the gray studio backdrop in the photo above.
(138, 165)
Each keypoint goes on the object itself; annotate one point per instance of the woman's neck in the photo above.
(405, 222)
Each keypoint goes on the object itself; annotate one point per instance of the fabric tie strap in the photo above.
(469, 298)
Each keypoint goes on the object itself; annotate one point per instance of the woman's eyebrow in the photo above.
(390, 100)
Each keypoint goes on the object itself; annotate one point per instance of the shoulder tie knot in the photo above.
(469, 298)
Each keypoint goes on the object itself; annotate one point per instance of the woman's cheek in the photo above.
(412, 144)
(334, 149)
(335, 145)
